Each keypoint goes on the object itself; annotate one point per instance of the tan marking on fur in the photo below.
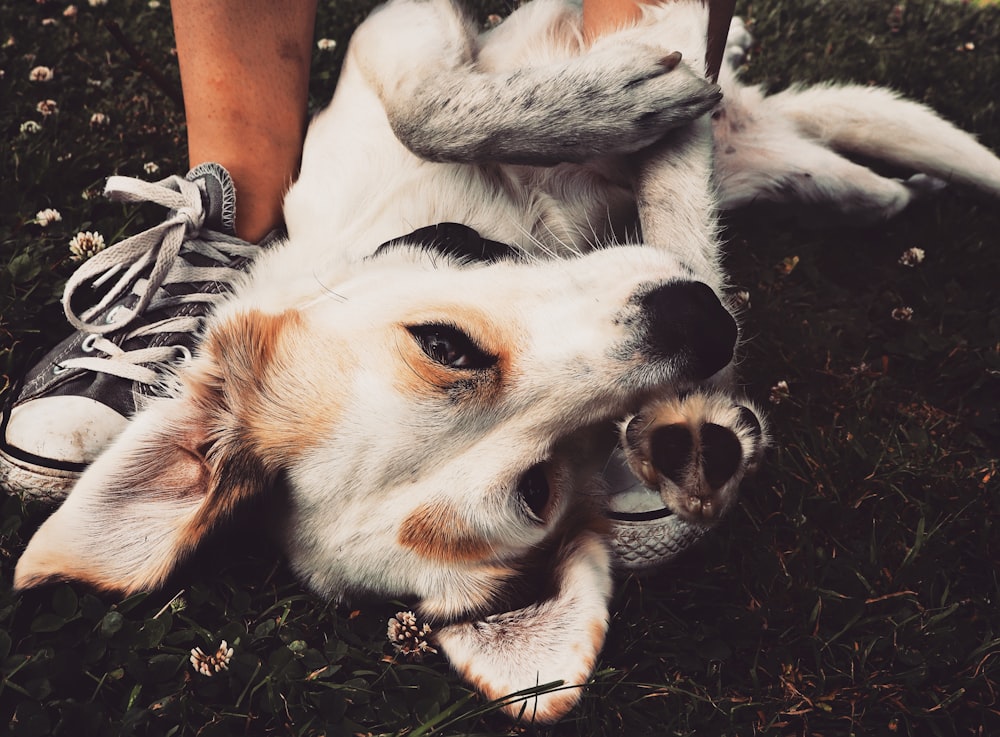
(546, 708)
(51, 566)
(554, 706)
(179, 472)
(270, 370)
(435, 531)
(419, 375)
(47, 560)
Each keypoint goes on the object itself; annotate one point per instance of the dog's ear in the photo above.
(557, 639)
(180, 468)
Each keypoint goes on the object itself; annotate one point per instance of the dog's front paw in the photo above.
(694, 450)
(633, 93)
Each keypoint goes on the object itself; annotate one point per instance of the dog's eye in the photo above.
(451, 347)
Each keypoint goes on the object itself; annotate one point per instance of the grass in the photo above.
(853, 592)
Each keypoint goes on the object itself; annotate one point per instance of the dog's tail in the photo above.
(881, 125)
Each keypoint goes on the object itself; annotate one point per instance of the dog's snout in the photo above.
(686, 320)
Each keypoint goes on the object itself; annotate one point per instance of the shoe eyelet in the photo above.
(183, 354)
(58, 368)
(87, 345)
(110, 318)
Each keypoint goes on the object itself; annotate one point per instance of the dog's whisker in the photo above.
(328, 290)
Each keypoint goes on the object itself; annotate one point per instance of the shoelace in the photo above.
(158, 250)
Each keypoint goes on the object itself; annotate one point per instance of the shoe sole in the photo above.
(35, 482)
(645, 540)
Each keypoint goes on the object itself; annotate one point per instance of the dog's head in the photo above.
(432, 422)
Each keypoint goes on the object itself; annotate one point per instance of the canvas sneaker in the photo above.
(165, 280)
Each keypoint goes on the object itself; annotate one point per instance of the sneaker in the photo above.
(71, 405)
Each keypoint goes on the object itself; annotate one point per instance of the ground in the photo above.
(853, 591)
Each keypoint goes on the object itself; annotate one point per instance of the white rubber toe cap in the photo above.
(64, 429)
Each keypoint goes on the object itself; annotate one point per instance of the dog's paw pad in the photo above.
(694, 451)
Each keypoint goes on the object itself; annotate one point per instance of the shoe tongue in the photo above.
(218, 196)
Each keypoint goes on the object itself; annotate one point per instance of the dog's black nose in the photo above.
(687, 321)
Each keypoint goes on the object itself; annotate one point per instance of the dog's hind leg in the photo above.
(881, 125)
(623, 94)
(787, 168)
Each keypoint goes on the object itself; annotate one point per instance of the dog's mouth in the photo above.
(535, 493)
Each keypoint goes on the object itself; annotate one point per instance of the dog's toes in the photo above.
(695, 450)
(626, 93)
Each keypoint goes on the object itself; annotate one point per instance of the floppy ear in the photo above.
(179, 469)
(554, 640)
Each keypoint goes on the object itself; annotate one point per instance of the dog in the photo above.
(426, 374)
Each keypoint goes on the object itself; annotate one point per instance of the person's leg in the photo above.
(245, 74)
(603, 16)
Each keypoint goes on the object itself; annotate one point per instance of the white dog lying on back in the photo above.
(435, 406)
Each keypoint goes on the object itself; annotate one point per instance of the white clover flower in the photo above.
(912, 256)
(860, 369)
(30, 126)
(779, 392)
(85, 244)
(70, 11)
(153, 4)
(740, 299)
(41, 74)
(96, 3)
(3, 73)
(326, 44)
(902, 314)
(209, 665)
(47, 108)
(99, 120)
(47, 216)
(49, 21)
(151, 167)
(408, 637)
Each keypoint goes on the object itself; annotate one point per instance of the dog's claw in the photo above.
(671, 60)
